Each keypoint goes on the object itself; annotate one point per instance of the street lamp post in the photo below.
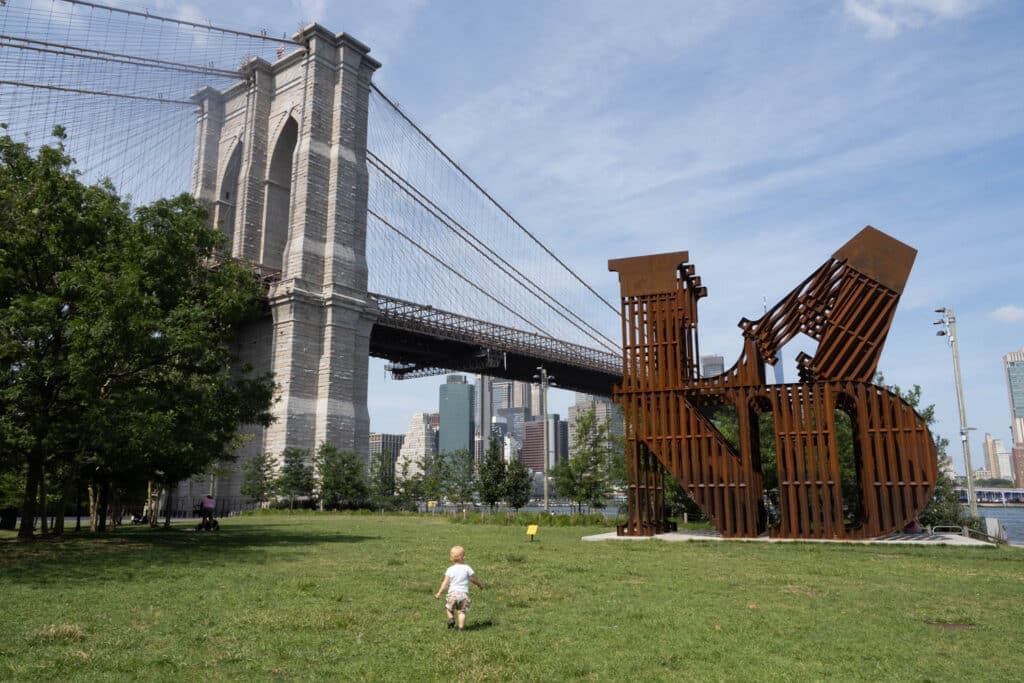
(948, 320)
(542, 375)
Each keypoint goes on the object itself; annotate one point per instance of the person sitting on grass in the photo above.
(456, 579)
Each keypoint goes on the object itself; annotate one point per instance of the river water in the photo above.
(1010, 517)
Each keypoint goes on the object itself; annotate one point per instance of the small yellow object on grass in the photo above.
(531, 531)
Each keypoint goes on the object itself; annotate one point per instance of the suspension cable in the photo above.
(208, 27)
(533, 288)
(82, 91)
(47, 47)
(459, 275)
(493, 200)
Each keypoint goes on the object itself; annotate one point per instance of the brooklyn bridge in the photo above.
(371, 239)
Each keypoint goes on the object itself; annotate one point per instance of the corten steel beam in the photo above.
(847, 306)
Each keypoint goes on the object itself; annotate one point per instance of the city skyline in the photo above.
(757, 137)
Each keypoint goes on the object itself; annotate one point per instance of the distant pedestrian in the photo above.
(456, 580)
(207, 506)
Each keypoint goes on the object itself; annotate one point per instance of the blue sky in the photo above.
(757, 136)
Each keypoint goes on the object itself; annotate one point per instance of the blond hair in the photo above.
(457, 553)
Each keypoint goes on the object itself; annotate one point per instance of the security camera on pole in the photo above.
(948, 320)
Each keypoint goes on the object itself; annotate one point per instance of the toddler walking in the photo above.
(456, 579)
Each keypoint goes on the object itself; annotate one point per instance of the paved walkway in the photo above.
(902, 539)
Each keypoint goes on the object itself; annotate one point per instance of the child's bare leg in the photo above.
(462, 620)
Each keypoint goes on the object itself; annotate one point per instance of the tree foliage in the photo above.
(114, 333)
(342, 478)
(994, 483)
(517, 484)
(585, 476)
(296, 477)
(459, 476)
(433, 476)
(493, 473)
(380, 472)
(258, 477)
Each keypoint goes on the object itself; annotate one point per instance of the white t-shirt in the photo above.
(458, 578)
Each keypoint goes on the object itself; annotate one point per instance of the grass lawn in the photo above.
(350, 597)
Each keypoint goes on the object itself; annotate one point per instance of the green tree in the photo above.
(342, 477)
(408, 486)
(433, 476)
(677, 501)
(994, 483)
(381, 476)
(296, 477)
(114, 334)
(460, 476)
(944, 508)
(617, 459)
(258, 480)
(585, 477)
(493, 473)
(518, 484)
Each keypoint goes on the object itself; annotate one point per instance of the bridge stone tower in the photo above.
(281, 162)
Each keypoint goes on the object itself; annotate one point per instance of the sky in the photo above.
(757, 136)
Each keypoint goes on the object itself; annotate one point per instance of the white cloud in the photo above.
(887, 18)
(1009, 314)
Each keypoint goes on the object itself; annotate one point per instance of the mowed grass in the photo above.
(350, 597)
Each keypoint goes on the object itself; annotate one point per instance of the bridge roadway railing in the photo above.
(583, 368)
(420, 318)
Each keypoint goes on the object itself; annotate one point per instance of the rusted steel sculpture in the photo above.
(847, 306)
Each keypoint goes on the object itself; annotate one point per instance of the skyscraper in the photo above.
(532, 453)
(455, 405)
(501, 395)
(561, 441)
(420, 442)
(483, 406)
(385, 449)
(536, 401)
(513, 419)
(604, 411)
(1014, 364)
(522, 396)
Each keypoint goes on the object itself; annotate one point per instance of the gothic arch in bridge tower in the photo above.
(278, 196)
(286, 145)
(227, 198)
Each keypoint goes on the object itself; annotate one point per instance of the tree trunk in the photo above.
(167, 511)
(115, 508)
(154, 506)
(43, 519)
(92, 506)
(28, 505)
(58, 515)
(102, 505)
(78, 506)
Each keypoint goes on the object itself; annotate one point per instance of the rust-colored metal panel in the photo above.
(847, 306)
